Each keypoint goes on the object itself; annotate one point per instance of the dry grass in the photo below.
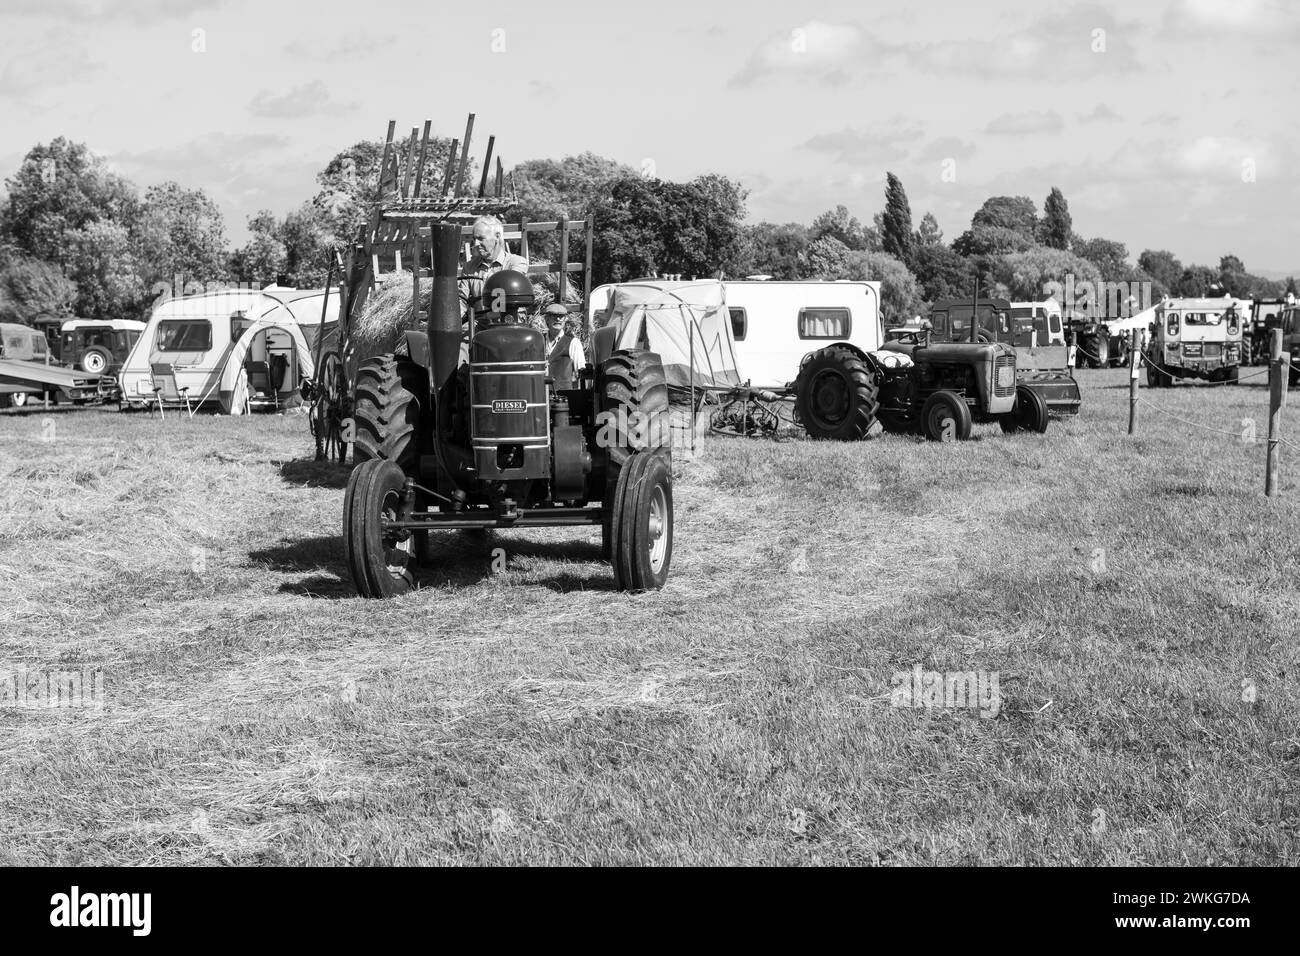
(258, 712)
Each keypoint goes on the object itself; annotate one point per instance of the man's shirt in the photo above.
(478, 268)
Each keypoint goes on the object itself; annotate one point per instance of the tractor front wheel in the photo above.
(381, 561)
(634, 410)
(836, 394)
(642, 523)
(1029, 413)
(945, 417)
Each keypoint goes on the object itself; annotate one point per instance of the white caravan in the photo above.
(775, 324)
(210, 341)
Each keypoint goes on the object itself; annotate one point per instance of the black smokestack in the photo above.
(444, 305)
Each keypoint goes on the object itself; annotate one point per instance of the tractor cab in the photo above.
(951, 320)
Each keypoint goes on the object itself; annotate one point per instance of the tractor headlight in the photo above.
(1006, 376)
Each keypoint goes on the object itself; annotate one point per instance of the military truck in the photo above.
(1042, 361)
(1195, 338)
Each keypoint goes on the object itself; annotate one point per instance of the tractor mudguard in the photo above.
(602, 344)
(417, 347)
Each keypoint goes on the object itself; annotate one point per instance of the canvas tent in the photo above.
(687, 323)
(296, 315)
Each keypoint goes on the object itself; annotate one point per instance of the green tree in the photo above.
(1234, 278)
(941, 272)
(180, 237)
(652, 225)
(263, 258)
(1162, 266)
(306, 235)
(839, 223)
(109, 282)
(1026, 276)
(780, 251)
(30, 288)
(828, 258)
(570, 187)
(1056, 220)
(1107, 255)
(1197, 281)
(900, 294)
(1016, 213)
(60, 195)
(896, 234)
(1291, 286)
(928, 233)
(984, 240)
(349, 183)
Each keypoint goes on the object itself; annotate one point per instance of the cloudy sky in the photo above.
(1167, 123)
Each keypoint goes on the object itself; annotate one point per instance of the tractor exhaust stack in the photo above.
(444, 304)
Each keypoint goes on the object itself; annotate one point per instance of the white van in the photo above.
(211, 339)
(775, 324)
(1041, 319)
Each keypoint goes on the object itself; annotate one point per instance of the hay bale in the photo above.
(388, 312)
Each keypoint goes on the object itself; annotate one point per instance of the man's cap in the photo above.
(556, 309)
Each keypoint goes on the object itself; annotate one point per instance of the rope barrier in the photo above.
(1167, 414)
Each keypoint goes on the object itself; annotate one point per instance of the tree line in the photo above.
(78, 239)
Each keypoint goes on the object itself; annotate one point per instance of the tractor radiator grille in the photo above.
(1004, 376)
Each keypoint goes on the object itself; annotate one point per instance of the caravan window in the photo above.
(939, 322)
(239, 321)
(739, 324)
(825, 324)
(184, 335)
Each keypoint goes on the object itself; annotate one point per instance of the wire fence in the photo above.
(1245, 436)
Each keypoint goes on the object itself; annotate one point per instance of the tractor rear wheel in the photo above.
(1029, 413)
(836, 394)
(945, 417)
(381, 562)
(633, 404)
(1102, 344)
(642, 525)
(634, 394)
(390, 397)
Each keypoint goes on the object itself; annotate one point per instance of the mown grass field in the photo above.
(257, 712)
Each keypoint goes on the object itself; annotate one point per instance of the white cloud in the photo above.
(1026, 124)
(829, 53)
(309, 99)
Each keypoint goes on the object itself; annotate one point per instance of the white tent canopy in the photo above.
(687, 323)
(299, 316)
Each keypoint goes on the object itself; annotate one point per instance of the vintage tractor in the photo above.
(911, 385)
(491, 443)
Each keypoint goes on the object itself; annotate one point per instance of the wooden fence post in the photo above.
(1278, 374)
(1133, 364)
